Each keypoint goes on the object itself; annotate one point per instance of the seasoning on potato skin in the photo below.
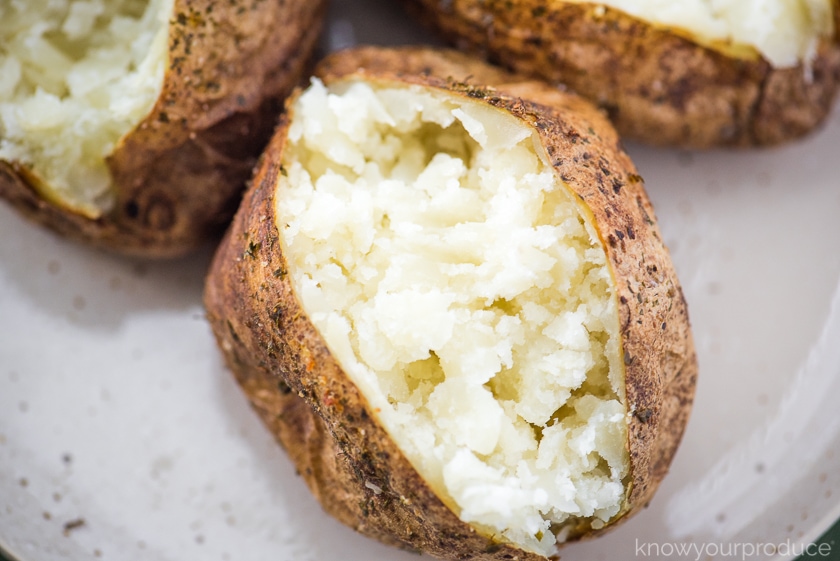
(330, 429)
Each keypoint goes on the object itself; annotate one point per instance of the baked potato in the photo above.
(134, 124)
(452, 305)
(690, 73)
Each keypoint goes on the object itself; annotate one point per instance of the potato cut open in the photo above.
(785, 32)
(465, 291)
(75, 77)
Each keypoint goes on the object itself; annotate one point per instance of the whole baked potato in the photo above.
(134, 124)
(689, 73)
(452, 305)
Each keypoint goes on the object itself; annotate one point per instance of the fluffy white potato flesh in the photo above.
(460, 286)
(785, 32)
(76, 76)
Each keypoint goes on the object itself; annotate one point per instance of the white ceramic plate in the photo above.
(123, 437)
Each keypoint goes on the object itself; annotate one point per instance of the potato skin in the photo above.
(657, 86)
(180, 173)
(320, 416)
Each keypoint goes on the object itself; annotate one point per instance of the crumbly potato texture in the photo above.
(784, 32)
(453, 308)
(690, 73)
(134, 124)
(76, 77)
(456, 282)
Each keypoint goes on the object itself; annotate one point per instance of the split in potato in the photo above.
(77, 77)
(453, 307)
(133, 124)
(784, 32)
(459, 286)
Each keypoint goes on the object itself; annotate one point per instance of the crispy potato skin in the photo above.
(180, 173)
(320, 416)
(658, 87)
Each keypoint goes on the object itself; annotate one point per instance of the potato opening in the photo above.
(76, 76)
(785, 32)
(463, 289)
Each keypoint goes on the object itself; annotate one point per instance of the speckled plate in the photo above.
(123, 437)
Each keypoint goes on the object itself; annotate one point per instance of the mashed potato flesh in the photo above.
(785, 32)
(75, 76)
(457, 282)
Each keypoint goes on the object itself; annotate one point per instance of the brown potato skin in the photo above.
(320, 416)
(180, 173)
(657, 86)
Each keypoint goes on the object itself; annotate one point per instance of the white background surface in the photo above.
(115, 407)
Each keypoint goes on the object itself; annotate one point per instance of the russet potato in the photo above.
(134, 124)
(446, 295)
(690, 73)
